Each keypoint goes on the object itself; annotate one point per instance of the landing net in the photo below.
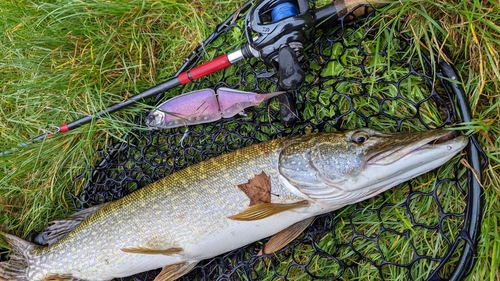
(360, 74)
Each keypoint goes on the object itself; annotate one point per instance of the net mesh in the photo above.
(359, 74)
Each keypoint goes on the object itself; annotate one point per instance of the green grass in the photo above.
(61, 62)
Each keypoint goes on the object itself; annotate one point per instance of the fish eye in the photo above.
(360, 137)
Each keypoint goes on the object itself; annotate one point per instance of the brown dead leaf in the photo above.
(258, 189)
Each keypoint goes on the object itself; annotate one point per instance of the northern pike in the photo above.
(271, 188)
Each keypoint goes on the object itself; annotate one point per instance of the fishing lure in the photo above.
(203, 106)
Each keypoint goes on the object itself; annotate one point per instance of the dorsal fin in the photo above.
(58, 229)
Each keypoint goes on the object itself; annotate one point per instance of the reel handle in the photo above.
(290, 73)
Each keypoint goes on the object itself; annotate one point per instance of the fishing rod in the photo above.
(275, 31)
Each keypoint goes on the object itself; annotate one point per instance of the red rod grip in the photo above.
(204, 69)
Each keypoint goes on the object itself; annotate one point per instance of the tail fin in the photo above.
(15, 269)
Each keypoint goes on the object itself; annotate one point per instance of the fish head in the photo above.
(155, 119)
(348, 167)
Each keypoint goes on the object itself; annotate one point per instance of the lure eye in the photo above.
(151, 120)
(360, 137)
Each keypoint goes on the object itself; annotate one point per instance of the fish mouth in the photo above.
(451, 135)
(443, 139)
(414, 144)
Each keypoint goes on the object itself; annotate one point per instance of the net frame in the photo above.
(146, 156)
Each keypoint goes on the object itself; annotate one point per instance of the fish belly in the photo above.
(240, 233)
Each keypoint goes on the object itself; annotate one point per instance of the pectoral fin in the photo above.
(174, 271)
(148, 251)
(287, 235)
(264, 210)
